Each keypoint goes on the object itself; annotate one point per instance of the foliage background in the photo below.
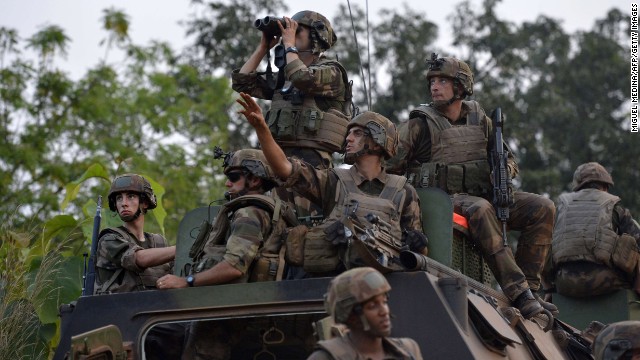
(159, 111)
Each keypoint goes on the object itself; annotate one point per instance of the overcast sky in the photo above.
(159, 19)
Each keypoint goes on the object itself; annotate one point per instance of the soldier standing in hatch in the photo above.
(358, 298)
(596, 241)
(371, 138)
(130, 259)
(310, 105)
(446, 144)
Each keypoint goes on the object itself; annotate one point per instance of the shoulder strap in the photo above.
(394, 184)
(346, 180)
(474, 115)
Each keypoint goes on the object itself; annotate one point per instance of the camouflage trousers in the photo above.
(533, 216)
(585, 278)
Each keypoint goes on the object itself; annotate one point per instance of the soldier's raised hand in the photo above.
(252, 111)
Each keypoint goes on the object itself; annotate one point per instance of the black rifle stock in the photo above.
(90, 271)
(501, 178)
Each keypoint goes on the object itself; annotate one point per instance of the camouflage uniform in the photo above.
(116, 250)
(309, 114)
(617, 341)
(596, 242)
(240, 241)
(530, 213)
(453, 155)
(348, 290)
(117, 271)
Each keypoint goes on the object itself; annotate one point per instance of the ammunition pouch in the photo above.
(295, 245)
(320, 255)
(268, 267)
(625, 254)
(472, 177)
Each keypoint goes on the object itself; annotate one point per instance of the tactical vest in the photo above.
(296, 120)
(320, 255)
(269, 263)
(583, 229)
(341, 348)
(121, 280)
(459, 162)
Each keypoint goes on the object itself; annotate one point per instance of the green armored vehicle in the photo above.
(447, 303)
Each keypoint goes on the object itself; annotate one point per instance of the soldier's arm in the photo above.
(624, 222)
(274, 154)
(153, 257)
(411, 217)
(409, 135)
(321, 80)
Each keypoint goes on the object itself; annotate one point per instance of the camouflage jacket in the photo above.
(116, 267)
(415, 145)
(321, 79)
(319, 186)
(341, 348)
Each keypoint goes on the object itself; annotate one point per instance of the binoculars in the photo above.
(269, 25)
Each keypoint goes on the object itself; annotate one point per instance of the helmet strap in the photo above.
(132, 217)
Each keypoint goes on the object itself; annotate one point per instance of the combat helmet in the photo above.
(382, 131)
(590, 172)
(452, 68)
(251, 161)
(350, 289)
(132, 183)
(322, 34)
(616, 339)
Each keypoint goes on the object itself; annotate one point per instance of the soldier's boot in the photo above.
(528, 305)
(547, 305)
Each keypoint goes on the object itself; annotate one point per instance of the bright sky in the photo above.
(159, 19)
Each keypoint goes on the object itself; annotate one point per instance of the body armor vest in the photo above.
(342, 349)
(320, 255)
(583, 229)
(269, 262)
(459, 162)
(120, 280)
(296, 119)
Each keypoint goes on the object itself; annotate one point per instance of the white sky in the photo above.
(158, 19)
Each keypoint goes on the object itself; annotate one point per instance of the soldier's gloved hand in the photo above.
(337, 234)
(416, 240)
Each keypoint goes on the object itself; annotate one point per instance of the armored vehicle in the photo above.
(447, 302)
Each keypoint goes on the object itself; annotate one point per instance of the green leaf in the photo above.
(96, 170)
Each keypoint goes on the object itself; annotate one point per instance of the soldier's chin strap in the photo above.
(131, 217)
(439, 104)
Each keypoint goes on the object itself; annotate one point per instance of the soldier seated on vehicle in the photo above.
(244, 246)
(348, 194)
(446, 144)
(358, 298)
(618, 341)
(130, 259)
(596, 242)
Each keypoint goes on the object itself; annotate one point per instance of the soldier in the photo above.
(310, 112)
(358, 298)
(618, 341)
(362, 189)
(311, 103)
(445, 144)
(245, 246)
(595, 248)
(130, 259)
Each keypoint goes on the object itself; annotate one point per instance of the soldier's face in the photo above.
(376, 311)
(303, 38)
(127, 204)
(235, 181)
(356, 138)
(441, 88)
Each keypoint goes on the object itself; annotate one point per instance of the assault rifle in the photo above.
(89, 275)
(375, 233)
(501, 178)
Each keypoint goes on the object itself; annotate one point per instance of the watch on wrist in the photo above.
(292, 49)
(191, 280)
